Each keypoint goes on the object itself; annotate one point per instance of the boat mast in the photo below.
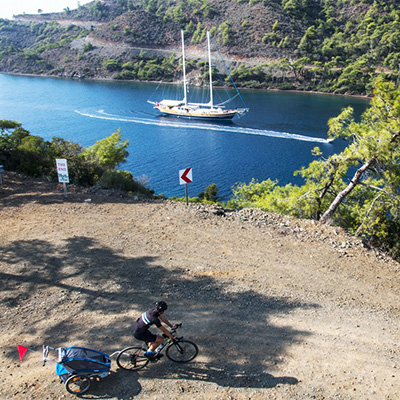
(210, 69)
(184, 69)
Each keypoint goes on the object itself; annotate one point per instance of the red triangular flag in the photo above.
(21, 350)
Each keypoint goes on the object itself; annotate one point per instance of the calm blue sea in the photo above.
(271, 141)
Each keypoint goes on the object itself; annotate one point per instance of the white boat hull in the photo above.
(200, 113)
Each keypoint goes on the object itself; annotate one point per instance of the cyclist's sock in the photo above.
(150, 352)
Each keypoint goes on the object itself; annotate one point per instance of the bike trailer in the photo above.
(77, 365)
(80, 360)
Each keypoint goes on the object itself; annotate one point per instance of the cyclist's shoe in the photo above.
(150, 356)
(158, 356)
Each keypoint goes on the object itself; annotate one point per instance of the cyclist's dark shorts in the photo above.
(146, 336)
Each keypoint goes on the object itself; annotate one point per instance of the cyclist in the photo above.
(154, 316)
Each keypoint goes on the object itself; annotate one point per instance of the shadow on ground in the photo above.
(56, 292)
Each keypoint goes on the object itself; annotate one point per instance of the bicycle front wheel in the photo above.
(182, 351)
(77, 384)
(132, 358)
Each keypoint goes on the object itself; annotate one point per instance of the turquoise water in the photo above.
(271, 141)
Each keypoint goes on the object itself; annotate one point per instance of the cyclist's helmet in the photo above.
(161, 306)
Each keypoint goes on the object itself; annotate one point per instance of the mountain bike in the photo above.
(178, 350)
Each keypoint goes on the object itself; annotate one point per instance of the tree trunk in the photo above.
(341, 195)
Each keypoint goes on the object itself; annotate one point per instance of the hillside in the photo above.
(280, 308)
(333, 45)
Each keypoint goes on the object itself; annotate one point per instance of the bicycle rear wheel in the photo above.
(132, 358)
(182, 351)
(77, 384)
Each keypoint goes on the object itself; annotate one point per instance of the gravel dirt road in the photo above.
(280, 308)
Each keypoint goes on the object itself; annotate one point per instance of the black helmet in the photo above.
(161, 306)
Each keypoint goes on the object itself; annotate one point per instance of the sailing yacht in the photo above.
(205, 111)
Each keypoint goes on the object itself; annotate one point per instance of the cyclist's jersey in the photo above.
(147, 319)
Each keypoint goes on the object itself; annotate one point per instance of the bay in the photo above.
(271, 141)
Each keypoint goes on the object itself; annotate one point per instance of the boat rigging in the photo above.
(205, 111)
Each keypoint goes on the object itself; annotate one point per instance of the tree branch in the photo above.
(380, 190)
(341, 195)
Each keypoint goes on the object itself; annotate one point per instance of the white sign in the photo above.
(185, 176)
(62, 170)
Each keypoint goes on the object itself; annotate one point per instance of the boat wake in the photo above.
(177, 123)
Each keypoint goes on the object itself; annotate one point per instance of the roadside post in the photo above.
(185, 177)
(62, 172)
(1, 175)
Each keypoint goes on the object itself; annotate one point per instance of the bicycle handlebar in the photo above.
(175, 327)
(173, 330)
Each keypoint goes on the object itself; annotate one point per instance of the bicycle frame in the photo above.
(167, 342)
(177, 349)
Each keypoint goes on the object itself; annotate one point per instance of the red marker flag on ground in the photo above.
(21, 350)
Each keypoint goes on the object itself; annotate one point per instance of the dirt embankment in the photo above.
(280, 308)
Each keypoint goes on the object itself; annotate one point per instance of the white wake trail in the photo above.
(176, 123)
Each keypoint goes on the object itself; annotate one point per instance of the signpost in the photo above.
(185, 177)
(62, 171)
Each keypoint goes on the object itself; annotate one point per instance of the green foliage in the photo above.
(6, 124)
(190, 199)
(305, 10)
(347, 43)
(266, 195)
(126, 75)
(107, 152)
(210, 194)
(128, 65)
(189, 29)
(270, 37)
(144, 68)
(43, 38)
(310, 41)
(224, 28)
(199, 34)
(126, 5)
(34, 156)
(112, 65)
(355, 78)
(367, 202)
(208, 11)
(128, 31)
(175, 14)
(246, 76)
(98, 10)
(87, 47)
(123, 181)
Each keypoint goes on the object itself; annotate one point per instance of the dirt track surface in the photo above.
(280, 308)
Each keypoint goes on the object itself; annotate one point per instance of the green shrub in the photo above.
(126, 75)
(210, 194)
(128, 65)
(87, 47)
(112, 65)
(20, 151)
(122, 180)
